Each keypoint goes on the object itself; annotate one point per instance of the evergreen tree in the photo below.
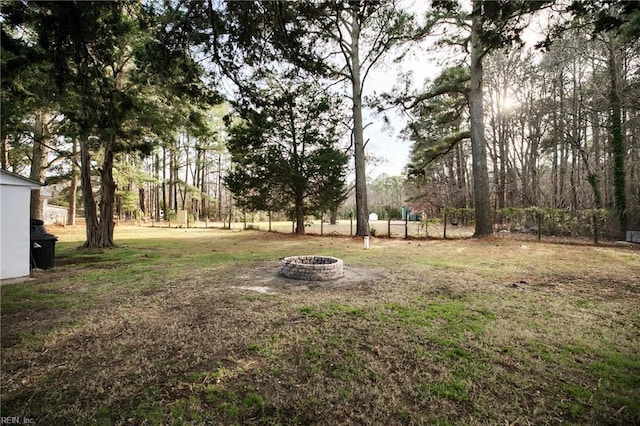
(113, 69)
(284, 149)
(256, 35)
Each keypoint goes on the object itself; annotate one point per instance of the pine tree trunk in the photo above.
(165, 204)
(530, 197)
(201, 176)
(362, 215)
(299, 208)
(142, 200)
(99, 229)
(595, 180)
(73, 188)
(39, 161)
(573, 181)
(4, 151)
(501, 190)
(172, 183)
(90, 212)
(481, 195)
(555, 161)
(219, 186)
(156, 205)
(564, 150)
(451, 183)
(512, 184)
(461, 181)
(334, 216)
(107, 198)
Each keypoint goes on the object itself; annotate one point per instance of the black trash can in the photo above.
(43, 246)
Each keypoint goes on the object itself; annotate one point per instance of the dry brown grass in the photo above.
(161, 331)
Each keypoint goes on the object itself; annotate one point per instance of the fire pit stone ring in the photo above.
(312, 268)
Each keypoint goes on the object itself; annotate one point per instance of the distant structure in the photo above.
(55, 215)
(408, 216)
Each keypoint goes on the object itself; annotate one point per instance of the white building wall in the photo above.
(15, 227)
(55, 215)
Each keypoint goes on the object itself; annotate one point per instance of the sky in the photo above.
(385, 140)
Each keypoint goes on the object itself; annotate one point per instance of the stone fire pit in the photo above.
(312, 268)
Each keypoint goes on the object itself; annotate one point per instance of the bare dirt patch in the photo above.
(355, 277)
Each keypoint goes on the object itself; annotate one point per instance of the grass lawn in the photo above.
(168, 328)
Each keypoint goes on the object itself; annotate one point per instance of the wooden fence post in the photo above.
(444, 221)
(539, 226)
(406, 226)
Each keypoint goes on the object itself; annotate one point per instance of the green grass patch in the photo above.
(19, 297)
(454, 316)
(326, 311)
(455, 390)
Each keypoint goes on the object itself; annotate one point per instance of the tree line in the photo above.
(561, 123)
(154, 106)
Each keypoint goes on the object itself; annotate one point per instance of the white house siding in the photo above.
(55, 215)
(15, 225)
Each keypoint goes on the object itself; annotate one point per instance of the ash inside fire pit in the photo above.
(312, 268)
